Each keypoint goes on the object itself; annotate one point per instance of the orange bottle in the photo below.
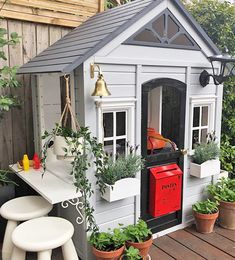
(25, 162)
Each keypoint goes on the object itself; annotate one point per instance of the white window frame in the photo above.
(116, 105)
(199, 101)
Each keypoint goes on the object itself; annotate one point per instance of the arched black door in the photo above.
(173, 100)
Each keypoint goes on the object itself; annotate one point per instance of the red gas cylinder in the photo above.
(165, 189)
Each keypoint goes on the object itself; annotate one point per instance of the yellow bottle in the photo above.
(25, 162)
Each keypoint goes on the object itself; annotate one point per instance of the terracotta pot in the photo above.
(143, 247)
(227, 214)
(112, 255)
(205, 222)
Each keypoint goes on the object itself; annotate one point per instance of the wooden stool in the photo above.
(17, 210)
(41, 235)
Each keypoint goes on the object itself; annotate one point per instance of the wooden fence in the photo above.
(68, 13)
(16, 128)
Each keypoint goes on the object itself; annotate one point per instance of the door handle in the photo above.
(184, 151)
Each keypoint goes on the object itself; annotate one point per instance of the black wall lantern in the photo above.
(226, 70)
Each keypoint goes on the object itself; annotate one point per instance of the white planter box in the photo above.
(122, 189)
(208, 168)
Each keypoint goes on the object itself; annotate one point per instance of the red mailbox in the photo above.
(165, 189)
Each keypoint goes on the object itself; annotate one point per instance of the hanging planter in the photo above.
(122, 189)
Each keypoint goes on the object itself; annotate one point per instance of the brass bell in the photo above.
(101, 89)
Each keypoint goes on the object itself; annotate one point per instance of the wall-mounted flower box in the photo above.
(206, 169)
(122, 189)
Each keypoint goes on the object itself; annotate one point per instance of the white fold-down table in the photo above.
(50, 186)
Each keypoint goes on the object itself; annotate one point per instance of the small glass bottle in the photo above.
(36, 161)
(25, 162)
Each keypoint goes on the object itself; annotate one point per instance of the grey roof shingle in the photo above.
(85, 40)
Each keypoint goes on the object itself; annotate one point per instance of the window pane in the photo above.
(121, 146)
(182, 39)
(203, 135)
(195, 139)
(172, 28)
(204, 116)
(108, 147)
(121, 123)
(108, 124)
(146, 36)
(196, 116)
(159, 25)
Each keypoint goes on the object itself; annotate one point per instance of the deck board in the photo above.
(199, 246)
(230, 234)
(175, 249)
(222, 243)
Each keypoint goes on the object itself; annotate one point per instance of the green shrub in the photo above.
(205, 207)
(132, 253)
(223, 190)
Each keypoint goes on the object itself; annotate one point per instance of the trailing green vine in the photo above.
(87, 152)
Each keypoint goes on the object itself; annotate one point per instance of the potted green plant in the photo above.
(224, 192)
(131, 253)
(205, 214)
(108, 245)
(117, 179)
(139, 236)
(205, 160)
(86, 152)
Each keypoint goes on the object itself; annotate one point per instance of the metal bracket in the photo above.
(79, 206)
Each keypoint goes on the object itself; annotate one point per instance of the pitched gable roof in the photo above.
(84, 41)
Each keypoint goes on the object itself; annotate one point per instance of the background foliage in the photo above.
(217, 18)
(7, 74)
(7, 81)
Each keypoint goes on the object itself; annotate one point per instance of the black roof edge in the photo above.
(111, 36)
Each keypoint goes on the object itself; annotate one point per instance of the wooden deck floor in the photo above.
(186, 244)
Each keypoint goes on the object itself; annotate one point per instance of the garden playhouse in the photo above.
(151, 53)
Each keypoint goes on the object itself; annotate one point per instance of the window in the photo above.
(202, 119)
(116, 125)
(115, 132)
(163, 31)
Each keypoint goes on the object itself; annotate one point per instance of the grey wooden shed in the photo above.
(151, 53)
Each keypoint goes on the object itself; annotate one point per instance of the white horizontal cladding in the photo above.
(147, 76)
(164, 69)
(197, 89)
(151, 62)
(115, 214)
(122, 91)
(128, 220)
(157, 53)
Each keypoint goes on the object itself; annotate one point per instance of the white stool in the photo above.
(17, 210)
(41, 235)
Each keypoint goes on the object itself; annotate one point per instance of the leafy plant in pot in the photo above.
(108, 245)
(131, 253)
(224, 192)
(86, 153)
(205, 214)
(139, 236)
(205, 160)
(117, 177)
